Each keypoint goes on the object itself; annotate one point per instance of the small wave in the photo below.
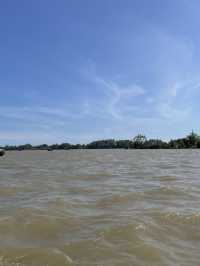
(166, 192)
(117, 245)
(37, 226)
(8, 191)
(129, 239)
(178, 218)
(165, 178)
(34, 256)
(118, 199)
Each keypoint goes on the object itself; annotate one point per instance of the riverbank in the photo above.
(138, 142)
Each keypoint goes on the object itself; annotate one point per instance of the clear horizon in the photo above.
(78, 71)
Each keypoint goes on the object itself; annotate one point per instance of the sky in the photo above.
(76, 71)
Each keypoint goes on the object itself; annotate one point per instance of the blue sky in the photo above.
(75, 71)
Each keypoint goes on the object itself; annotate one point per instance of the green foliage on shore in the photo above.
(138, 142)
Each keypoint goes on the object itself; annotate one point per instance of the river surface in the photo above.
(100, 207)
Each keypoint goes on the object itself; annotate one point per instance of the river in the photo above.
(100, 208)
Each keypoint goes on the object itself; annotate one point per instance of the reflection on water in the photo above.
(100, 207)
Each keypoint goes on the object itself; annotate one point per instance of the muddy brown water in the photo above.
(100, 207)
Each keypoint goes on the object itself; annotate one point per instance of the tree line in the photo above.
(138, 142)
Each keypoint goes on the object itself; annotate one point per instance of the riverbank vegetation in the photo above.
(138, 142)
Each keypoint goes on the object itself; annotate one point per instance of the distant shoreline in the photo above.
(192, 141)
(104, 149)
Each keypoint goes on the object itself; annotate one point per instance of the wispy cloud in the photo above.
(118, 94)
(117, 99)
(30, 112)
(167, 105)
(174, 102)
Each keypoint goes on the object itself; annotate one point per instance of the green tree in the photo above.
(192, 140)
(138, 141)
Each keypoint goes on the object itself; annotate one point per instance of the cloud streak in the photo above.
(116, 98)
